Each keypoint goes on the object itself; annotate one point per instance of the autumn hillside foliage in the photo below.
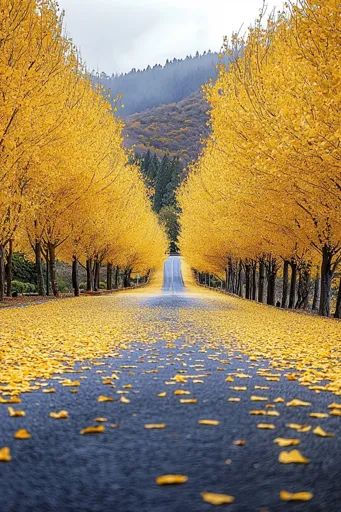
(66, 188)
(264, 198)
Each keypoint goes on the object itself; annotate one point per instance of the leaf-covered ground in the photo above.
(150, 401)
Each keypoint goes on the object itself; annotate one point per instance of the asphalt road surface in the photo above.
(59, 470)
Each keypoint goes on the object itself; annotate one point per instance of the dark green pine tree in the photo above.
(169, 198)
(163, 178)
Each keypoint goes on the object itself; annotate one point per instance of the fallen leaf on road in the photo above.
(22, 433)
(5, 454)
(188, 400)
(209, 422)
(293, 457)
(59, 415)
(181, 392)
(233, 399)
(318, 431)
(295, 496)
(283, 441)
(258, 398)
(171, 479)
(124, 400)
(214, 498)
(266, 426)
(162, 395)
(298, 403)
(298, 427)
(318, 415)
(10, 400)
(150, 426)
(103, 398)
(239, 442)
(15, 413)
(96, 429)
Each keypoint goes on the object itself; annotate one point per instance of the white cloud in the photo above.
(117, 35)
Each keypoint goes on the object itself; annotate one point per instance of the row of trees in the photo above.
(66, 185)
(264, 197)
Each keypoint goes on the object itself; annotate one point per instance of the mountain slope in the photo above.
(160, 85)
(175, 128)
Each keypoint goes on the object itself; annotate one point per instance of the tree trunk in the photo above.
(53, 273)
(337, 313)
(89, 275)
(254, 280)
(75, 280)
(326, 280)
(285, 284)
(2, 272)
(109, 276)
(261, 280)
(9, 269)
(47, 273)
(239, 280)
(96, 275)
(316, 292)
(293, 280)
(117, 273)
(39, 268)
(271, 278)
(247, 280)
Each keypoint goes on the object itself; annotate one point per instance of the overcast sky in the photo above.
(117, 35)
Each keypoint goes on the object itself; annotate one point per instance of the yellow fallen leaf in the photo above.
(334, 405)
(15, 413)
(179, 378)
(298, 427)
(295, 496)
(103, 398)
(229, 379)
(124, 400)
(318, 431)
(238, 388)
(198, 381)
(283, 441)
(171, 479)
(5, 454)
(209, 422)
(233, 399)
(59, 415)
(49, 390)
(96, 429)
(70, 383)
(10, 400)
(293, 457)
(266, 426)
(258, 398)
(298, 403)
(257, 412)
(239, 442)
(150, 426)
(335, 412)
(188, 400)
(22, 433)
(318, 415)
(214, 498)
(181, 392)
(162, 395)
(278, 400)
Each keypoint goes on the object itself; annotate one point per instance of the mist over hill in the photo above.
(160, 85)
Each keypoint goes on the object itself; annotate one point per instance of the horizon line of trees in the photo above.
(264, 198)
(67, 189)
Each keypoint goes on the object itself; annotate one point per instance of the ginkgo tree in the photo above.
(265, 194)
(66, 185)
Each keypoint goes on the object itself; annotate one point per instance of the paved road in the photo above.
(59, 470)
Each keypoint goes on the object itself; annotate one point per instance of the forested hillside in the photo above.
(177, 128)
(140, 90)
